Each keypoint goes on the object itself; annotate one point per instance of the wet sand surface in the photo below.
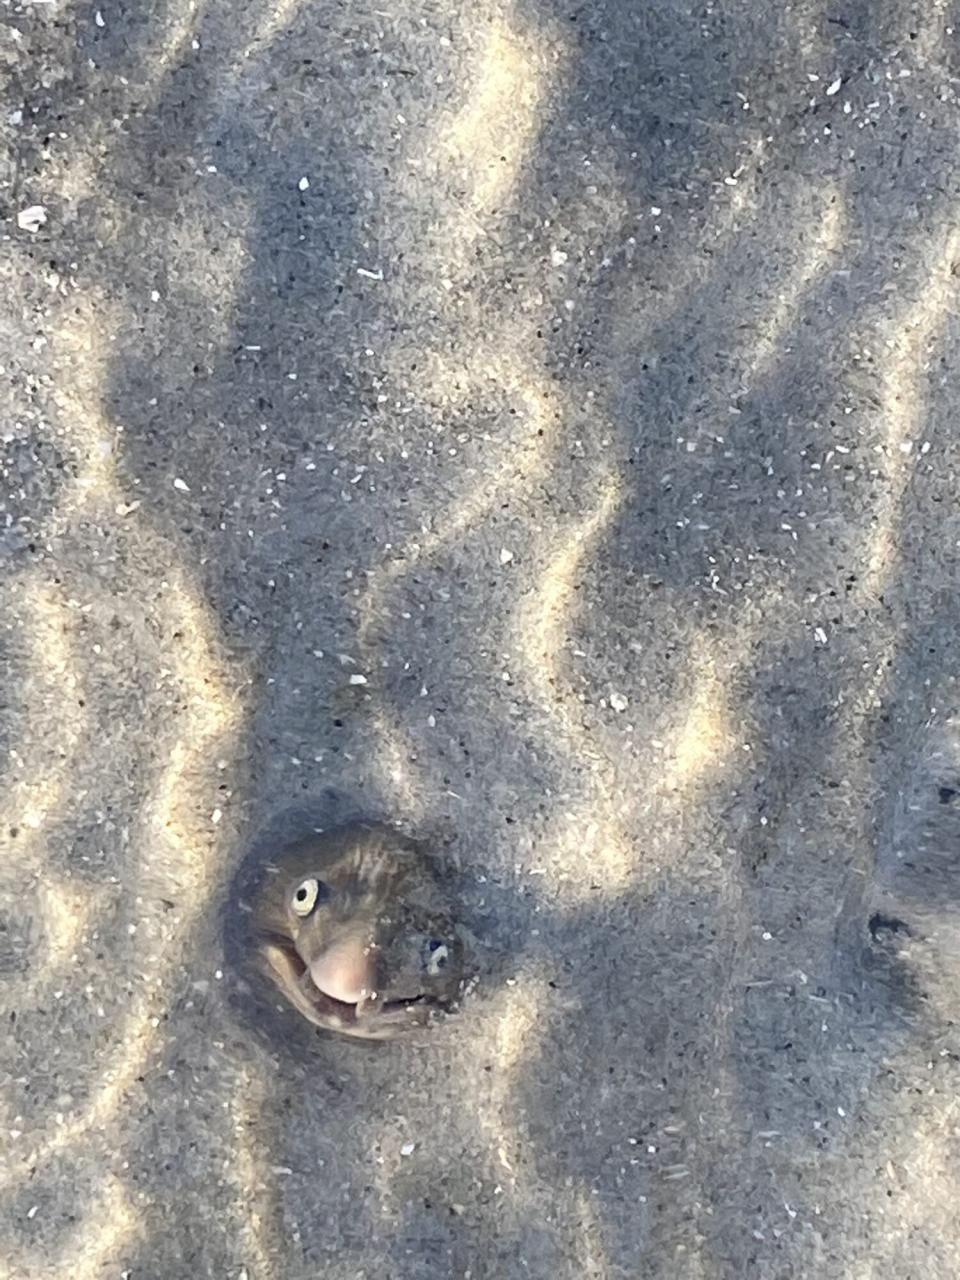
(531, 423)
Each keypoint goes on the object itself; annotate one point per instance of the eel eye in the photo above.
(436, 955)
(306, 896)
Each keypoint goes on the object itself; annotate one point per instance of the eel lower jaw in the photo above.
(370, 1009)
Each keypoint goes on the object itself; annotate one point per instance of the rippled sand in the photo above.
(582, 379)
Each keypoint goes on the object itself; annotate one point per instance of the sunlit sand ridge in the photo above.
(181, 842)
(540, 635)
(783, 305)
(37, 779)
(180, 28)
(701, 737)
(911, 343)
(521, 461)
(254, 1183)
(909, 340)
(704, 735)
(491, 135)
(86, 1255)
(177, 835)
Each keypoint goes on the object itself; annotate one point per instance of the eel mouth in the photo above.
(370, 1015)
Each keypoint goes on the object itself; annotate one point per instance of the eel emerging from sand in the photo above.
(355, 930)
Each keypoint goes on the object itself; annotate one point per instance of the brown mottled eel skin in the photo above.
(355, 930)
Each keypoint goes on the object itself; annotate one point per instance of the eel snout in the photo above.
(345, 971)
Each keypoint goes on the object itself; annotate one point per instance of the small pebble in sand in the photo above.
(618, 702)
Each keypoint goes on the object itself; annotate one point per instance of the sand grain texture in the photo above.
(591, 401)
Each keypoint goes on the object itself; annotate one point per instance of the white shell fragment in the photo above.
(32, 218)
(618, 702)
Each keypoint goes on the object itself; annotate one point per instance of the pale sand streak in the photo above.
(83, 1258)
(275, 20)
(931, 43)
(782, 309)
(208, 729)
(67, 910)
(214, 715)
(491, 136)
(701, 737)
(181, 24)
(913, 334)
(511, 1028)
(498, 120)
(212, 720)
(256, 1186)
(33, 792)
(738, 217)
(175, 42)
(926, 1165)
(736, 213)
(903, 402)
(485, 145)
(515, 1027)
(507, 1034)
(591, 1255)
(522, 462)
(538, 633)
(38, 790)
(704, 735)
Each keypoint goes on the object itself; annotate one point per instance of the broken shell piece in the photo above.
(32, 218)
